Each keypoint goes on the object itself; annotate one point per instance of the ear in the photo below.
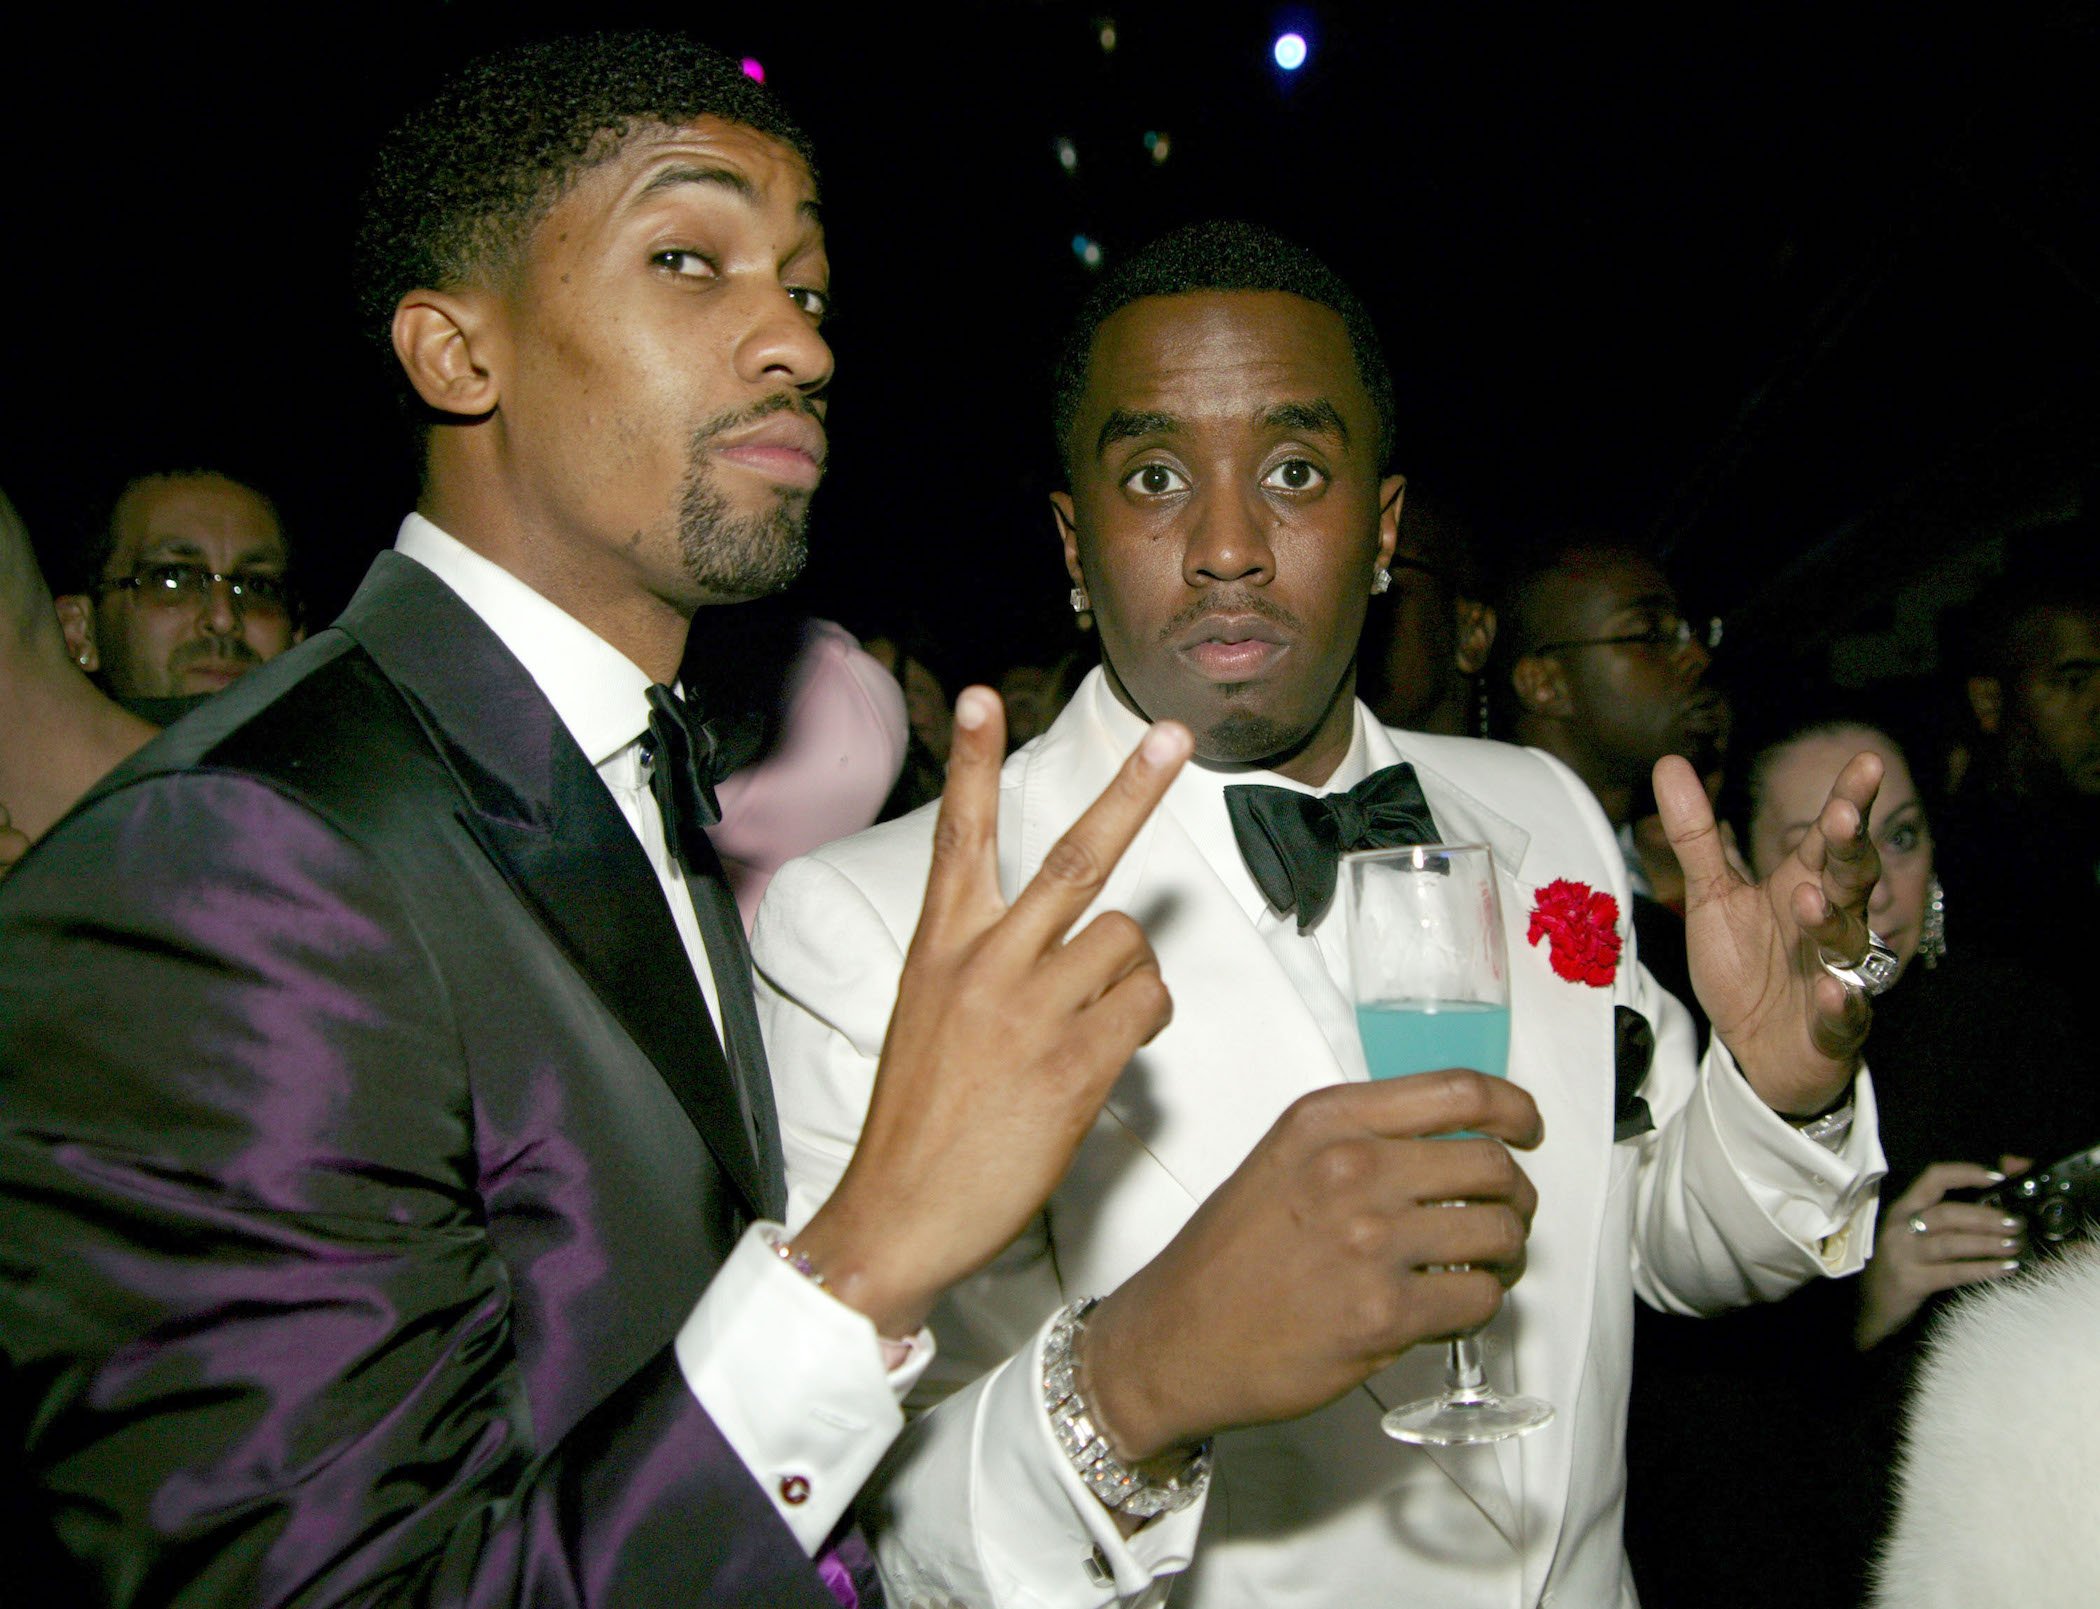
(1476, 635)
(76, 618)
(448, 343)
(1541, 684)
(1392, 491)
(1987, 703)
(298, 635)
(1062, 512)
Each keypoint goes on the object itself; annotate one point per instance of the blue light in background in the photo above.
(1290, 52)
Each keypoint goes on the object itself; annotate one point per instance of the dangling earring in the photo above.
(1480, 706)
(1380, 581)
(1081, 603)
(1932, 933)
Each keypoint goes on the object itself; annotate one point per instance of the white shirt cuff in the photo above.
(1037, 1482)
(1824, 1199)
(794, 1380)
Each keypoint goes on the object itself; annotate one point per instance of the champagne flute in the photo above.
(1429, 977)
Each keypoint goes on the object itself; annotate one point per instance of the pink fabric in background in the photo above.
(839, 753)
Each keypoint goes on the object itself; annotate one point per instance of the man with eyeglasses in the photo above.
(184, 589)
(1600, 668)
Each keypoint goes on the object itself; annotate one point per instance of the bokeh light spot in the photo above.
(754, 69)
(1290, 52)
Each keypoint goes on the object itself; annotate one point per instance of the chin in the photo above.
(1248, 737)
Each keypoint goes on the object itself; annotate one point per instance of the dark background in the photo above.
(1804, 294)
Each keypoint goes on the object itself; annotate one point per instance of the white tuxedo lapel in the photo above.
(1242, 1045)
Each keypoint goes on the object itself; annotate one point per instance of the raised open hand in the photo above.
(1756, 949)
(1005, 1039)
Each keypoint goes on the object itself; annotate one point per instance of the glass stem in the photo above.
(1465, 1376)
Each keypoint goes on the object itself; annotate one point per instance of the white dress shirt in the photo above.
(793, 1379)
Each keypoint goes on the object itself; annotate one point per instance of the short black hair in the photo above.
(457, 189)
(1521, 578)
(1225, 254)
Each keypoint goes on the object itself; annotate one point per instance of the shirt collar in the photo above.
(601, 695)
(1196, 801)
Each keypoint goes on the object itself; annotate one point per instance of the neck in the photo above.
(590, 583)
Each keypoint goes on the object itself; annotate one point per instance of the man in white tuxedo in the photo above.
(1270, 1233)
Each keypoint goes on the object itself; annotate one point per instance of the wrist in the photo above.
(1127, 1403)
(1134, 1490)
(840, 1260)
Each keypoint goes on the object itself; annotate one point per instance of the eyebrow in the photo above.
(729, 179)
(1127, 424)
(1319, 417)
(158, 549)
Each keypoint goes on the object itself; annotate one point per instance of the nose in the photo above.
(221, 615)
(1883, 896)
(783, 346)
(1229, 541)
(1695, 656)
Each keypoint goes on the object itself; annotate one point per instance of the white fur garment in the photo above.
(2000, 1472)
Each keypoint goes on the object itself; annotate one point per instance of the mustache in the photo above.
(1235, 602)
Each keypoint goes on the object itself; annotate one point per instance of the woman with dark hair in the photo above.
(1781, 1422)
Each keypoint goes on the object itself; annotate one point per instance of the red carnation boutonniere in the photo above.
(1584, 927)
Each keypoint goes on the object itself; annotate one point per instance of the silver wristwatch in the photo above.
(1118, 1486)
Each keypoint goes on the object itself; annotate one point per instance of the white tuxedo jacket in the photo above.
(1722, 1203)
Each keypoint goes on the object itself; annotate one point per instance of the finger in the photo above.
(962, 884)
(1094, 960)
(1949, 1276)
(1447, 1303)
(1078, 864)
(1416, 1173)
(2010, 1164)
(1838, 847)
(1960, 1218)
(1128, 1015)
(1932, 1185)
(1840, 1017)
(1688, 822)
(1942, 1248)
(1455, 1100)
(1470, 1234)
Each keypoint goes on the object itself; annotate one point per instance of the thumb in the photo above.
(1688, 821)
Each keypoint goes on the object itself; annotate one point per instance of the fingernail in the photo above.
(2008, 1223)
(2008, 1245)
(1994, 1175)
(973, 709)
(1163, 744)
(2011, 1265)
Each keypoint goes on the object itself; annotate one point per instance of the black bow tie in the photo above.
(686, 761)
(1292, 841)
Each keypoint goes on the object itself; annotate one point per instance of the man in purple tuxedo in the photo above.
(389, 1179)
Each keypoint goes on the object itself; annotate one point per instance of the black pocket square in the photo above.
(1633, 1050)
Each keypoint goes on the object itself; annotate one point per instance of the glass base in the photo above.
(1465, 1418)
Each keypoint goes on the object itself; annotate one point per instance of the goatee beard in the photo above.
(747, 556)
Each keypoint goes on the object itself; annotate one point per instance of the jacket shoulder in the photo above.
(321, 725)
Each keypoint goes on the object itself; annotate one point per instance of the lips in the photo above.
(217, 674)
(1231, 647)
(1704, 713)
(788, 448)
